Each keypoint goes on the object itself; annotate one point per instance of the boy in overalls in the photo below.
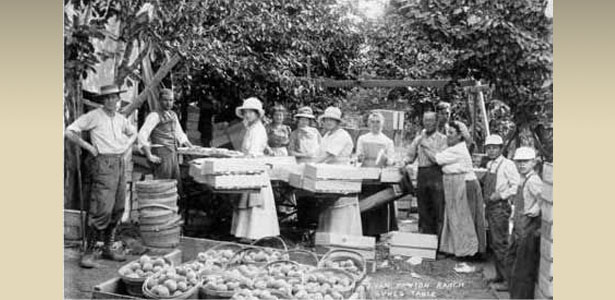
(500, 184)
(524, 254)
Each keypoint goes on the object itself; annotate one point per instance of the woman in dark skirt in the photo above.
(374, 149)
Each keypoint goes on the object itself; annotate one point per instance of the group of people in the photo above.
(111, 137)
(255, 216)
(454, 204)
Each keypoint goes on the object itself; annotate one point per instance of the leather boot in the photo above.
(88, 259)
(109, 239)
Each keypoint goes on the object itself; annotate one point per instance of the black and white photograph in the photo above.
(308, 149)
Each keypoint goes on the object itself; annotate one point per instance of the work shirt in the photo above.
(152, 120)
(456, 160)
(435, 141)
(531, 194)
(507, 177)
(108, 134)
(369, 145)
(339, 144)
(305, 141)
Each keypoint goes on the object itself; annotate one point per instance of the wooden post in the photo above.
(160, 74)
(481, 103)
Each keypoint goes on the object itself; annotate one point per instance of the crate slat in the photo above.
(327, 171)
(331, 186)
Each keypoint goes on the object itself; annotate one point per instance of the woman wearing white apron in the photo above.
(255, 216)
(342, 216)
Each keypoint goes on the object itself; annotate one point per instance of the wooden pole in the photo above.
(160, 74)
(481, 103)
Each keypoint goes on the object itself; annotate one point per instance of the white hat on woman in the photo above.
(331, 113)
(250, 103)
(525, 153)
(305, 112)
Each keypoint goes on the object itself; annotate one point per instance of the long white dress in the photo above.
(256, 221)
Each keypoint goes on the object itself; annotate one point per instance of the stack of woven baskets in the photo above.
(159, 222)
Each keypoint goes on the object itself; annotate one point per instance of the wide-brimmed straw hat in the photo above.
(251, 103)
(305, 112)
(331, 113)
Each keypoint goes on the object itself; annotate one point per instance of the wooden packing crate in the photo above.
(115, 288)
(364, 245)
(547, 193)
(545, 286)
(546, 211)
(295, 180)
(546, 269)
(369, 173)
(234, 182)
(274, 160)
(413, 244)
(546, 230)
(331, 186)
(546, 249)
(218, 166)
(547, 173)
(327, 171)
(390, 175)
(385, 196)
(72, 225)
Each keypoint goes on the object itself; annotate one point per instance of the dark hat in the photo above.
(106, 90)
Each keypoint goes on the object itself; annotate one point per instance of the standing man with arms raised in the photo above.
(111, 136)
(430, 192)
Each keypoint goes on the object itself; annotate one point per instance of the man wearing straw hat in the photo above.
(160, 136)
(111, 137)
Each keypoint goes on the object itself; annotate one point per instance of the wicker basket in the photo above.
(156, 186)
(239, 257)
(272, 265)
(303, 257)
(327, 271)
(134, 285)
(206, 293)
(337, 255)
(185, 295)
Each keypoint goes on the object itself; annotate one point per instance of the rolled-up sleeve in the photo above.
(180, 135)
(512, 179)
(150, 123)
(448, 156)
(360, 146)
(413, 151)
(83, 123)
(532, 201)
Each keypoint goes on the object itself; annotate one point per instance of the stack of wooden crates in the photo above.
(544, 286)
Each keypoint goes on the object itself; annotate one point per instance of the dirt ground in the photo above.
(395, 277)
